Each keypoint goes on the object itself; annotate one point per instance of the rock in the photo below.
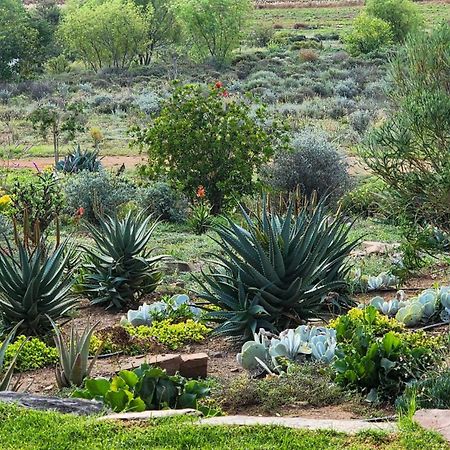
(380, 248)
(146, 415)
(63, 405)
(216, 354)
(194, 365)
(178, 266)
(345, 426)
(170, 362)
(434, 419)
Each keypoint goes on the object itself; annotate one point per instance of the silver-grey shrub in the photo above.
(98, 193)
(314, 164)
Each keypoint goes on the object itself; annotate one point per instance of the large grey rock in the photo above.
(147, 415)
(434, 419)
(63, 405)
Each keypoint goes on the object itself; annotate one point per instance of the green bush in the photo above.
(144, 388)
(163, 201)
(409, 151)
(401, 15)
(368, 35)
(98, 193)
(211, 138)
(35, 354)
(381, 364)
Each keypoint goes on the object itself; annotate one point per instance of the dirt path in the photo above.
(108, 161)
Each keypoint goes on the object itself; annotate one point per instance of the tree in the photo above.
(163, 29)
(213, 26)
(401, 15)
(65, 119)
(368, 35)
(204, 137)
(105, 33)
(410, 151)
(17, 40)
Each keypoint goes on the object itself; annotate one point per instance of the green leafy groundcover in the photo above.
(24, 429)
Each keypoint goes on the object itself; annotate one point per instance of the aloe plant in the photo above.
(6, 374)
(35, 287)
(276, 269)
(74, 367)
(80, 160)
(120, 268)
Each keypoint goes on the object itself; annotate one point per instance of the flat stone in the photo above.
(170, 362)
(344, 426)
(380, 248)
(147, 415)
(434, 419)
(178, 266)
(194, 365)
(63, 405)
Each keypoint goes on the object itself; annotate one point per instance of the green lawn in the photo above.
(26, 430)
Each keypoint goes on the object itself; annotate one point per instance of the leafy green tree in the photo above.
(58, 120)
(213, 26)
(163, 29)
(105, 33)
(402, 15)
(18, 40)
(204, 137)
(368, 35)
(410, 151)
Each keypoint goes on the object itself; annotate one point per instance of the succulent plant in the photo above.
(74, 365)
(388, 308)
(120, 267)
(444, 298)
(80, 160)
(284, 265)
(6, 374)
(35, 287)
(262, 354)
(383, 281)
(411, 314)
(161, 310)
(429, 299)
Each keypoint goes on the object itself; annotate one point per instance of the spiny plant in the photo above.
(6, 375)
(276, 271)
(119, 267)
(80, 160)
(35, 287)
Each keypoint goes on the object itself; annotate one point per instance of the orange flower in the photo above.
(225, 93)
(80, 212)
(218, 84)
(200, 192)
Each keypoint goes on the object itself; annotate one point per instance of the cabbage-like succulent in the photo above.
(388, 308)
(429, 300)
(411, 314)
(444, 297)
(323, 348)
(383, 281)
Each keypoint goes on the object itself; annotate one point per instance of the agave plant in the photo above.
(284, 266)
(80, 160)
(74, 365)
(6, 375)
(120, 268)
(35, 287)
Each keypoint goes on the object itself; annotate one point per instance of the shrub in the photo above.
(144, 388)
(360, 120)
(207, 137)
(313, 164)
(172, 335)
(308, 55)
(35, 287)
(378, 363)
(366, 199)
(34, 354)
(276, 271)
(368, 35)
(163, 202)
(401, 15)
(346, 88)
(148, 102)
(260, 36)
(120, 268)
(417, 131)
(98, 193)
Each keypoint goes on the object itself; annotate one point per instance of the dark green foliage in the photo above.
(80, 160)
(276, 271)
(409, 151)
(208, 137)
(35, 287)
(145, 388)
(381, 364)
(430, 393)
(120, 268)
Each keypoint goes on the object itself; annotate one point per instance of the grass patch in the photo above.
(32, 430)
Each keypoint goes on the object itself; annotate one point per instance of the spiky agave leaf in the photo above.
(120, 267)
(286, 266)
(35, 286)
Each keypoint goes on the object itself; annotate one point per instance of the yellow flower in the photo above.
(5, 202)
